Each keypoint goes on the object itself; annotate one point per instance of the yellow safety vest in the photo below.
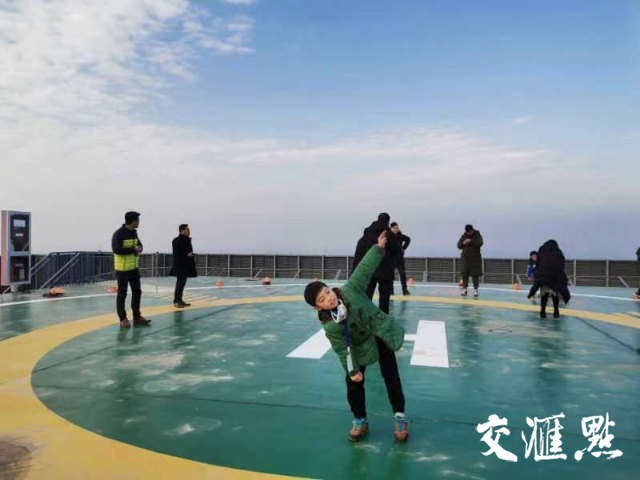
(127, 263)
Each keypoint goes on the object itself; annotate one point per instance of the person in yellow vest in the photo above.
(127, 248)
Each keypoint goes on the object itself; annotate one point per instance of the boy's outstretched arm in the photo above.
(362, 276)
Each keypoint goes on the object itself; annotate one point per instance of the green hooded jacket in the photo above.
(365, 321)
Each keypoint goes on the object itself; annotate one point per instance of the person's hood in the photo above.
(550, 245)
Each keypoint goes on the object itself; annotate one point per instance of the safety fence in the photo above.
(72, 268)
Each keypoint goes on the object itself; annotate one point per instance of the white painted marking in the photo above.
(315, 347)
(60, 299)
(430, 348)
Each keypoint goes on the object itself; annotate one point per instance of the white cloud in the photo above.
(521, 120)
(93, 61)
(77, 154)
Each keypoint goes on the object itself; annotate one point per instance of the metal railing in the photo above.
(68, 268)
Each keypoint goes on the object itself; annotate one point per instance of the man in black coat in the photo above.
(403, 242)
(184, 264)
(383, 276)
(638, 255)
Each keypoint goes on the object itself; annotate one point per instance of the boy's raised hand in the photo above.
(382, 240)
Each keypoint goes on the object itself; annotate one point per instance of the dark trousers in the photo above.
(384, 289)
(403, 275)
(465, 280)
(124, 280)
(389, 370)
(181, 282)
(545, 299)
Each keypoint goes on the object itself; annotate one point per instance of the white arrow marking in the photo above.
(430, 349)
(315, 347)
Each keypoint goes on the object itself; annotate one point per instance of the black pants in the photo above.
(389, 370)
(384, 289)
(181, 282)
(543, 304)
(465, 280)
(124, 280)
(403, 275)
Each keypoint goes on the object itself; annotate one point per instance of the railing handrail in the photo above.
(35, 268)
(61, 271)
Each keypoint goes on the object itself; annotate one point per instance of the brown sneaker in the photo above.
(401, 427)
(125, 323)
(141, 322)
(359, 430)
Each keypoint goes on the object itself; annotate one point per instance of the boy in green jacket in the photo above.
(362, 334)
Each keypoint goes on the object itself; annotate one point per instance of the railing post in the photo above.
(607, 273)
(575, 273)
(251, 266)
(455, 277)
(513, 270)
(426, 270)
(484, 269)
(322, 271)
(347, 267)
(275, 272)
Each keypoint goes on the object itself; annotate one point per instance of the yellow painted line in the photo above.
(613, 318)
(62, 450)
(198, 298)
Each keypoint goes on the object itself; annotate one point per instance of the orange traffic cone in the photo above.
(219, 284)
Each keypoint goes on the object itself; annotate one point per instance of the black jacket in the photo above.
(402, 241)
(638, 254)
(551, 267)
(119, 236)
(184, 265)
(370, 238)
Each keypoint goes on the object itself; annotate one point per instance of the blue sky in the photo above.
(286, 126)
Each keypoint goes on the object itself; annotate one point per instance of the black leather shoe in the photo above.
(141, 322)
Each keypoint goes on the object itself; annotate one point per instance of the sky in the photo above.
(286, 126)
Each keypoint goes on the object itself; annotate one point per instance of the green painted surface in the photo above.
(215, 386)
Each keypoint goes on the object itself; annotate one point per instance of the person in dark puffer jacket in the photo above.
(383, 276)
(551, 277)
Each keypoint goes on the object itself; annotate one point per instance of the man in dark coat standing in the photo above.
(470, 259)
(184, 264)
(638, 255)
(403, 242)
(383, 276)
